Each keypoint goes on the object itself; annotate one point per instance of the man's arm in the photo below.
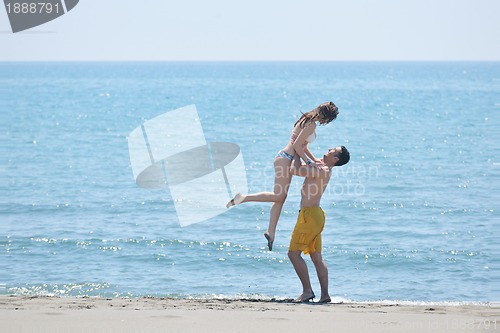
(302, 170)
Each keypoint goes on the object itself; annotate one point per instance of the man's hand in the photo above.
(302, 170)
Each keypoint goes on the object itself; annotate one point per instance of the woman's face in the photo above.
(322, 120)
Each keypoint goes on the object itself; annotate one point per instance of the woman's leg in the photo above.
(282, 180)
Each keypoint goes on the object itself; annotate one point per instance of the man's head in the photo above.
(337, 156)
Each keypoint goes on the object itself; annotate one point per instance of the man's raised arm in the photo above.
(302, 170)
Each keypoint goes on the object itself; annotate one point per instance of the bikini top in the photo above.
(309, 139)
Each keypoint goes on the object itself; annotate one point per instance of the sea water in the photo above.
(410, 218)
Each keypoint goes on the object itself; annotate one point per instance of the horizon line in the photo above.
(261, 60)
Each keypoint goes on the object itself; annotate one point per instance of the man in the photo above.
(306, 235)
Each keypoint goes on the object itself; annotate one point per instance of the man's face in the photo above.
(331, 154)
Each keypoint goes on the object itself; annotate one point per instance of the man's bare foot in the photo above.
(238, 198)
(325, 301)
(305, 298)
(270, 240)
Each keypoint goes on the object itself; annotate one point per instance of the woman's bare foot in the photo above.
(238, 198)
(305, 298)
(270, 240)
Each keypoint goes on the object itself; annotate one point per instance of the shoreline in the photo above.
(47, 313)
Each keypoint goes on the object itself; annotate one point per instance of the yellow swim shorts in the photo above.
(306, 235)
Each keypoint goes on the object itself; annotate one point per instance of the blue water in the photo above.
(410, 218)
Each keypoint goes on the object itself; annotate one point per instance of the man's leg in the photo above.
(322, 272)
(300, 267)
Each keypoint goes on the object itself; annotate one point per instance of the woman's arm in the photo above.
(310, 154)
(302, 170)
(298, 145)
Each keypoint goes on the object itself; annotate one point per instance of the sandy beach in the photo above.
(59, 314)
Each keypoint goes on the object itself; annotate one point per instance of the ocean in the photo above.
(411, 218)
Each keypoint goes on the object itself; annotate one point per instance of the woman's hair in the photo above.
(324, 113)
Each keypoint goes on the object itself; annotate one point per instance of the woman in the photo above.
(304, 132)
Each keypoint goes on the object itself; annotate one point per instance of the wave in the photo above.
(92, 289)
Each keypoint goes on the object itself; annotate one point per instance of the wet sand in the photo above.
(74, 314)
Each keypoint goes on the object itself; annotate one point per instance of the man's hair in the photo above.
(343, 156)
